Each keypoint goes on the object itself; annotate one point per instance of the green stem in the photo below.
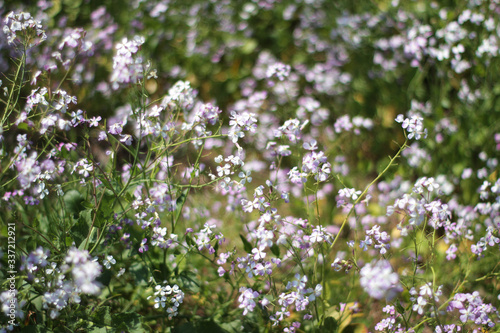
(391, 162)
(20, 69)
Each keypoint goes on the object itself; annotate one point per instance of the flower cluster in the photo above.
(84, 270)
(413, 125)
(346, 124)
(298, 296)
(61, 291)
(379, 280)
(240, 123)
(170, 297)
(11, 307)
(490, 239)
(247, 300)
(179, 95)
(207, 113)
(425, 297)
(379, 240)
(389, 324)
(278, 70)
(316, 163)
(127, 67)
(417, 207)
(347, 195)
(24, 28)
(36, 260)
(206, 236)
(471, 308)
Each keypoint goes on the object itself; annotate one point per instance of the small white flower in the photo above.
(109, 261)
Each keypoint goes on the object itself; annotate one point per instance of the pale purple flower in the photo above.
(127, 67)
(419, 305)
(126, 139)
(413, 125)
(84, 167)
(84, 276)
(116, 128)
(143, 247)
(94, 121)
(168, 297)
(379, 280)
(23, 24)
(84, 270)
(313, 145)
(247, 300)
(181, 94)
(259, 253)
(73, 38)
(278, 70)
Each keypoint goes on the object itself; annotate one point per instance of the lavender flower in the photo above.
(413, 125)
(472, 308)
(85, 271)
(278, 70)
(22, 26)
(126, 67)
(247, 300)
(168, 297)
(379, 280)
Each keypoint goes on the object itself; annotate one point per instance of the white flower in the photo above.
(419, 306)
(109, 261)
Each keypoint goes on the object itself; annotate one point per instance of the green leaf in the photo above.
(216, 247)
(330, 325)
(37, 302)
(188, 280)
(139, 272)
(189, 241)
(129, 322)
(200, 327)
(80, 230)
(22, 126)
(101, 316)
(35, 329)
(105, 277)
(445, 103)
(275, 249)
(74, 202)
(246, 245)
(400, 308)
(105, 211)
(180, 203)
(106, 206)
(69, 241)
(237, 326)
(99, 330)
(234, 326)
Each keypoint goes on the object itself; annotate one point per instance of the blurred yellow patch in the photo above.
(383, 4)
(442, 247)
(360, 328)
(220, 77)
(493, 176)
(387, 113)
(345, 317)
(376, 209)
(395, 233)
(359, 98)
(338, 219)
(151, 86)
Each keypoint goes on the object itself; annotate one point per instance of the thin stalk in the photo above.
(391, 162)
